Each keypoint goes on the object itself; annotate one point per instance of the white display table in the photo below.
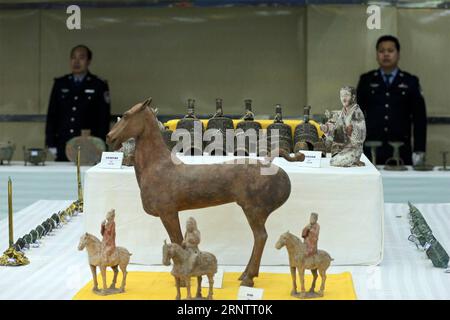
(349, 202)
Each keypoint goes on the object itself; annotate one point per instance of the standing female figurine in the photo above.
(350, 128)
(108, 231)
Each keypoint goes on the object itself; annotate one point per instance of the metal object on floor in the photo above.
(422, 236)
(444, 161)
(6, 151)
(373, 145)
(395, 163)
(35, 156)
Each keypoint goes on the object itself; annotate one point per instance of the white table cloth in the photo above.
(349, 202)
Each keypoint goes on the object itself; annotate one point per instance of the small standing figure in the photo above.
(348, 131)
(108, 231)
(310, 234)
(191, 241)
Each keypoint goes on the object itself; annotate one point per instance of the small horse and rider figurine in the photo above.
(305, 255)
(105, 254)
(189, 261)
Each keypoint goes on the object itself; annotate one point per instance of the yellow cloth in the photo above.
(161, 286)
(172, 124)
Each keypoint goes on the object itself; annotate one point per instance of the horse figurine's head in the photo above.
(282, 240)
(131, 125)
(167, 253)
(83, 241)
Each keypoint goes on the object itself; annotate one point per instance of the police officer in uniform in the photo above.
(393, 105)
(79, 100)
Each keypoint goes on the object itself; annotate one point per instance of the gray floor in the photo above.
(58, 270)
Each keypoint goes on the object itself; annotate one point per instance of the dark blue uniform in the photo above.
(75, 106)
(391, 112)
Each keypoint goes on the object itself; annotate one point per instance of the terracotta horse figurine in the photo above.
(168, 187)
(206, 265)
(298, 261)
(93, 246)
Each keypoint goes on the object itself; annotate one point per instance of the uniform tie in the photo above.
(387, 79)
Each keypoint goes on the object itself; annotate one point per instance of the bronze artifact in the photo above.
(169, 186)
(167, 137)
(105, 254)
(284, 132)
(305, 255)
(6, 152)
(306, 136)
(189, 261)
(221, 124)
(35, 156)
(373, 145)
(189, 122)
(444, 161)
(422, 165)
(395, 163)
(249, 129)
(91, 148)
(12, 256)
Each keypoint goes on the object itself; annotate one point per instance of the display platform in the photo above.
(160, 286)
(58, 271)
(349, 202)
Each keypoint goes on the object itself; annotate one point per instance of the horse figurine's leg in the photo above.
(103, 272)
(323, 276)
(123, 267)
(294, 281)
(188, 287)
(211, 286)
(177, 282)
(171, 223)
(256, 221)
(199, 287)
(94, 277)
(301, 274)
(116, 271)
(313, 286)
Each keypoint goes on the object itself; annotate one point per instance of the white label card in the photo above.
(312, 159)
(111, 160)
(34, 153)
(218, 280)
(247, 293)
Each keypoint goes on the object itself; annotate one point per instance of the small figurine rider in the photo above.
(108, 231)
(191, 241)
(310, 235)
